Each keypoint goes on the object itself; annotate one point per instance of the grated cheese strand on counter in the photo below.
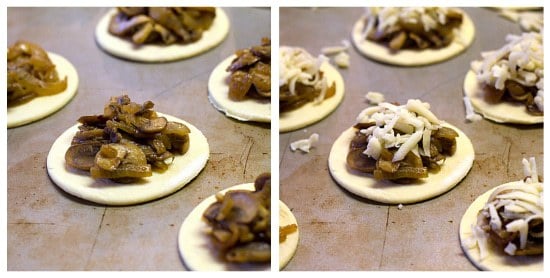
(297, 65)
(305, 144)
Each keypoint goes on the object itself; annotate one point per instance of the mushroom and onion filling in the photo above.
(301, 79)
(251, 72)
(240, 223)
(412, 28)
(127, 142)
(163, 25)
(514, 72)
(31, 74)
(401, 143)
(513, 217)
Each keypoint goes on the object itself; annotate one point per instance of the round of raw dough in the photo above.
(496, 260)
(311, 113)
(104, 191)
(41, 107)
(455, 168)
(124, 48)
(289, 246)
(411, 58)
(502, 112)
(245, 110)
(195, 246)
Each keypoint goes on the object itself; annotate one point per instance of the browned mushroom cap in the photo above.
(251, 252)
(150, 125)
(82, 156)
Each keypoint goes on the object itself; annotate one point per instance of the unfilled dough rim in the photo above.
(79, 183)
(196, 254)
(412, 58)
(288, 248)
(311, 113)
(124, 48)
(495, 261)
(366, 186)
(44, 106)
(245, 110)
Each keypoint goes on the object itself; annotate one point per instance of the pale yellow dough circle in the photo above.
(411, 58)
(245, 110)
(311, 113)
(502, 112)
(289, 246)
(496, 260)
(41, 107)
(104, 191)
(124, 48)
(455, 168)
(195, 246)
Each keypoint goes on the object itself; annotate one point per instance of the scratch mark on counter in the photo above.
(285, 148)
(95, 239)
(385, 236)
(506, 155)
(246, 153)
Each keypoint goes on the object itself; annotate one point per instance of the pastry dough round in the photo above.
(289, 246)
(43, 106)
(503, 112)
(411, 58)
(104, 191)
(496, 260)
(455, 168)
(124, 48)
(311, 113)
(245, 110)
(195, 246)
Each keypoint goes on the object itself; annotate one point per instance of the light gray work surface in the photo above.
(48, 229)
(339, 231)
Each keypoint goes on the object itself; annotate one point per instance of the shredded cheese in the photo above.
(414, 121)
(374, 97)
(471, 116)
(388, 17)
(520, 60)
(518, 203)
(297, 65)
(305, 144)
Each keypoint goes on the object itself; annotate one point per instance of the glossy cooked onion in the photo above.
(31, 74)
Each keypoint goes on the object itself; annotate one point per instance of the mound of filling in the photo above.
(513, 217)
(412, 28)
(286, 230)
(401, 143)
(31, 73)
(240, 223)
(251, 72)
(127, 142)
(300, 79)
(162, 25)
(515, 72)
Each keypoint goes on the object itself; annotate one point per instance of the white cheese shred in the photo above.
(305, 145)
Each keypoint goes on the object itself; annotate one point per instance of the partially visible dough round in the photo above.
(311, 113)
(43, 106)
(289, 246)
(496, 260)
(247, 109)
(503, 112)
(195, 246)
(455, 168)
(104, 191)
(151, 53)
(408, 57)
